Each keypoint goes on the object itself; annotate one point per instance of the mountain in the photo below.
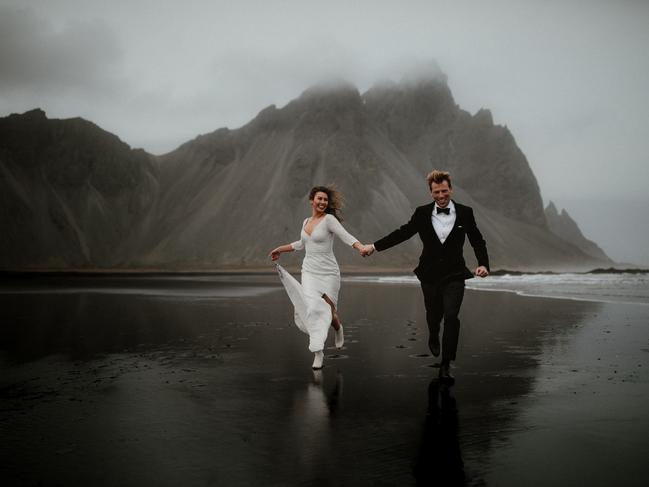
(75, 196)
(71, 194)
(564, 226)
(421, 119)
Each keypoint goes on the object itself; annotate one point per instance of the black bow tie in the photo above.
(446, 211)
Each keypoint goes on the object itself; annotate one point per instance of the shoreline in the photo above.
(585, 287)
(254, 271)
(548, 296)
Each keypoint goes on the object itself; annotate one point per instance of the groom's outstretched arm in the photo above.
(401, 234)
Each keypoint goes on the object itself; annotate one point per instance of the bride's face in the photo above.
(320, 202)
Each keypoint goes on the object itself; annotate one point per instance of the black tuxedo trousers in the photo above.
(443, 300)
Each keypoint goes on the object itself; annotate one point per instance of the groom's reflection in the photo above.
(439, 461)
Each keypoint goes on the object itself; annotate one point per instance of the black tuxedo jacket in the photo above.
(440, 261)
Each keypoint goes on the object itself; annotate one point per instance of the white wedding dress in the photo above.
(320, 275)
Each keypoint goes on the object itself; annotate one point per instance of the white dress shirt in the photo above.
(443, 223)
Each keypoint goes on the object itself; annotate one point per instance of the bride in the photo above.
(315, 300)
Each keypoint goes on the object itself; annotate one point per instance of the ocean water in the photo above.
(608, 288)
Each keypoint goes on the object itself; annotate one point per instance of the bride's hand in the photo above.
(366, 250)
(274, 254)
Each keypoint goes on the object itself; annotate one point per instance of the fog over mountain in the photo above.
(73, 196)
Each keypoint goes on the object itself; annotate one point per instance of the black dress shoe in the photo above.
(433, 344)
(445, 374)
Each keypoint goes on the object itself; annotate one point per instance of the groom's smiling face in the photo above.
(441, 193)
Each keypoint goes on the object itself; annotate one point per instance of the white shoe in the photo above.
(339, 337)
(317, 360)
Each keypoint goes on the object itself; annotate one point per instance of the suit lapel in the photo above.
(456, 223)
(428, 225)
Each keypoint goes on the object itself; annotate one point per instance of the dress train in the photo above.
(312, 314)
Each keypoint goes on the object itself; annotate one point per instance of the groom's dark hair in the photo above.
(438, 177)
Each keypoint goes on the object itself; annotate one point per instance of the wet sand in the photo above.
(150, 381)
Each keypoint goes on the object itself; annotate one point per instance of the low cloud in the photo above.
(82, 56)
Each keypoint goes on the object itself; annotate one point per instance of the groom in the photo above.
(442, 226)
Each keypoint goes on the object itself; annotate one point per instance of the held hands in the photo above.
(366, 250)
(481, 271)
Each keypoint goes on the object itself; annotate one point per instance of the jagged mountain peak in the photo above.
(422, 89)
(333, 95)
(35, 129)
(333, 86)
(424, 73)
(424, 85)
(426, 124)
(406, 111)
(552, 211)
(564, 226)
(484, 117)
(73, 152)
(34, 114)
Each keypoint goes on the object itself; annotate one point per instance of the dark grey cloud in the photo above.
(35, 56)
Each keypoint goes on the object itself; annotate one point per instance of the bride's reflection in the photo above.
(439, 460)
(317, 395)
(313, 410)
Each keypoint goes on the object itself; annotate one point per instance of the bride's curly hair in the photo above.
(335, 200)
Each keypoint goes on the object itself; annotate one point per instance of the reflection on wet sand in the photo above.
(439, 460)
(310, 430)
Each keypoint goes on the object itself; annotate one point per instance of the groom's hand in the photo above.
(481, 271)
(367, 250)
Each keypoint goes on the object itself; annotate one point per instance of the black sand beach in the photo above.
(206, 381)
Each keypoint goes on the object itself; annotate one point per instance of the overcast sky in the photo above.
(569, 78)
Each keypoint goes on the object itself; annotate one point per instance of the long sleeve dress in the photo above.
(320, 275)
